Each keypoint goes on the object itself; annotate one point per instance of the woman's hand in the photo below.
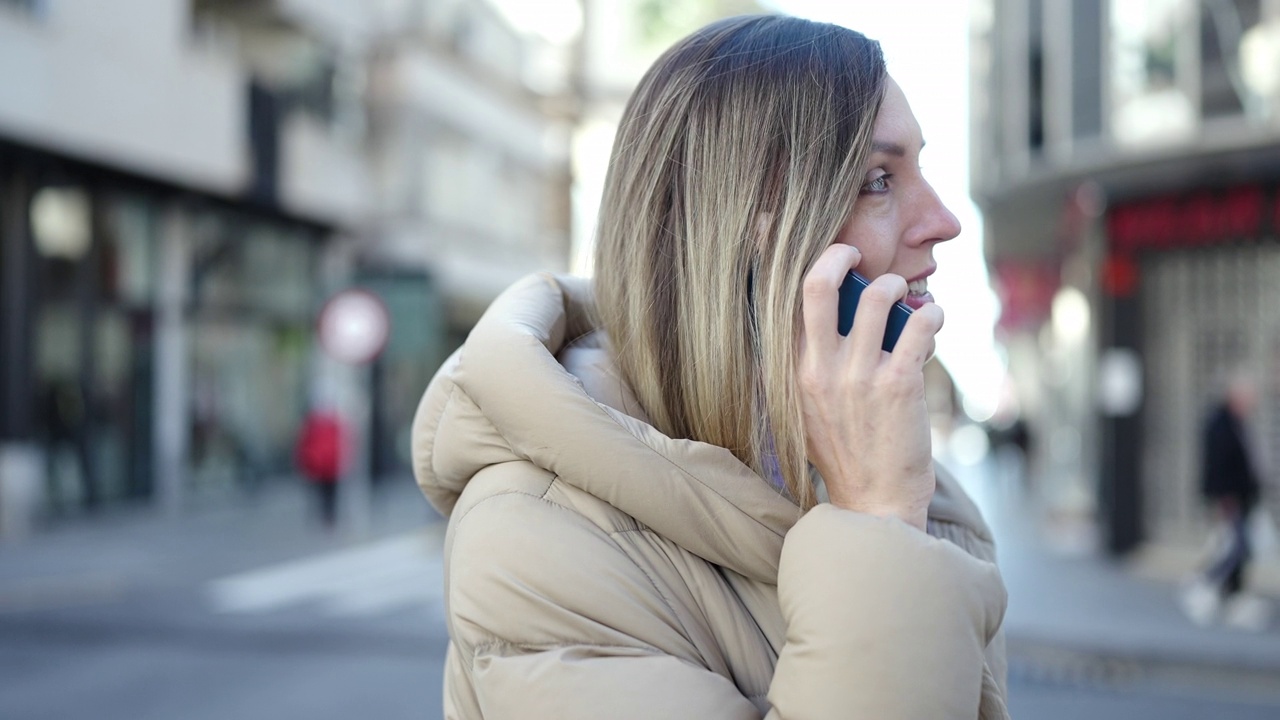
(866, 423)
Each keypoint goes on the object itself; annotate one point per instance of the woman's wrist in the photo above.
(911, 515)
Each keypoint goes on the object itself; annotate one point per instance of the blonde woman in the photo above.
(630, 466)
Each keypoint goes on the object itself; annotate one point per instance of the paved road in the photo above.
(1050, 703)
(1049, 682)
(247, 612)
(250, 613)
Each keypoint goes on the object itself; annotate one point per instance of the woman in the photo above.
(628, 466)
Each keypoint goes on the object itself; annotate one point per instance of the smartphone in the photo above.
(850, 292)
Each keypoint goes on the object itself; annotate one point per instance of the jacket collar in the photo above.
(519, 402)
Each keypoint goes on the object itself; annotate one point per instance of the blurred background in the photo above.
(223, 219)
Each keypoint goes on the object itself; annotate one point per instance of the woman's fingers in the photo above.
(916, 344)
(820, 304)
(872, 316)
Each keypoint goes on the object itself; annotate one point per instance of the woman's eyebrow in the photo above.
(888, 148)
(891, 148)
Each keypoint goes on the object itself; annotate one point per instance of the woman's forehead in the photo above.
(896, 123)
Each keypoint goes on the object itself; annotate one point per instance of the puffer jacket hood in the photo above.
(503, 385)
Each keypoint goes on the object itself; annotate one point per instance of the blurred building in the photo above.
(621, 39)
(184, 182)
(1126, 157)
(470, 123)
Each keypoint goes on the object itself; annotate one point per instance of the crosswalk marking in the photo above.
(378, 578)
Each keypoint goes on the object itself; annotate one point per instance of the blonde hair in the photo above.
(738, 160)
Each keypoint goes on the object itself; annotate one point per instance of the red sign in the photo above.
(1120, 275)
(1203, 218)
(1026, 290)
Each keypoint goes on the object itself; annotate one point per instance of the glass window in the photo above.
(1152, 59)
(1035, 76)
(1087, 32)
(250, 342)
(277, 272)
(248, 266)
(132, 251)
(1222, 26)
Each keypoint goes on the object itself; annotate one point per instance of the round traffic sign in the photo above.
(354, 326)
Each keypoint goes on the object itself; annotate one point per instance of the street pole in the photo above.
(355, 490)
(353, 329)
(172, 387)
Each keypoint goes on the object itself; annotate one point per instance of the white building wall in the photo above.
(118, 83)
(322, 176)
(435, 88)
(470, 163)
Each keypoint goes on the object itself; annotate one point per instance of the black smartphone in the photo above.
(850, 292)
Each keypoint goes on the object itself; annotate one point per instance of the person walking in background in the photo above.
(1229, 482)
(320, 456)
(676, 490)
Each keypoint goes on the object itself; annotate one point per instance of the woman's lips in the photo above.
(915, 302)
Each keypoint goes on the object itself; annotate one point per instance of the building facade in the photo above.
(184, 182)
(621, 39)
(1126, 158)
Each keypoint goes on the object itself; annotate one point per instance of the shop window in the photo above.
(1035, 77)
(1260, 65)
(253, 293)
(277, 272)
(91, 347)
(1222, 27)
(1151, 66)
(132, 252)
(414, 351)
(1086, 68)
(1206, 311)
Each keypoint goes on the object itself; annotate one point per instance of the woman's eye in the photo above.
(878, 184)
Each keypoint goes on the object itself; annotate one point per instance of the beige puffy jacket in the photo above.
(596, 568)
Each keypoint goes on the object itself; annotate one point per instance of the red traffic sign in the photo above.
(354, 326)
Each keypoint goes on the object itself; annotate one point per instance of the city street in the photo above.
(238, 240)
(247, 612)
(250, 611)
(1048, 682)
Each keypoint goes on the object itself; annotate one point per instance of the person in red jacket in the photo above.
(321, 455)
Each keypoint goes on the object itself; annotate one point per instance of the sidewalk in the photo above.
(1081, 601)
(101, 558)
(244, 607)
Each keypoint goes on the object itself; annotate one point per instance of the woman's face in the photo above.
(898, 218)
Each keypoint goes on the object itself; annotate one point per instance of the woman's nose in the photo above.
(940, 223)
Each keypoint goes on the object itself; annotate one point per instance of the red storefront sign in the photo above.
(1026, 289)
(1200, 219)
(1203, 218)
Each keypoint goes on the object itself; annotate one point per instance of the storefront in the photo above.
(252, 294)
(1190, 285)
(149, 334)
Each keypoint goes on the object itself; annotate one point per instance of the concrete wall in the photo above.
(323, 176)
(120, 83)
